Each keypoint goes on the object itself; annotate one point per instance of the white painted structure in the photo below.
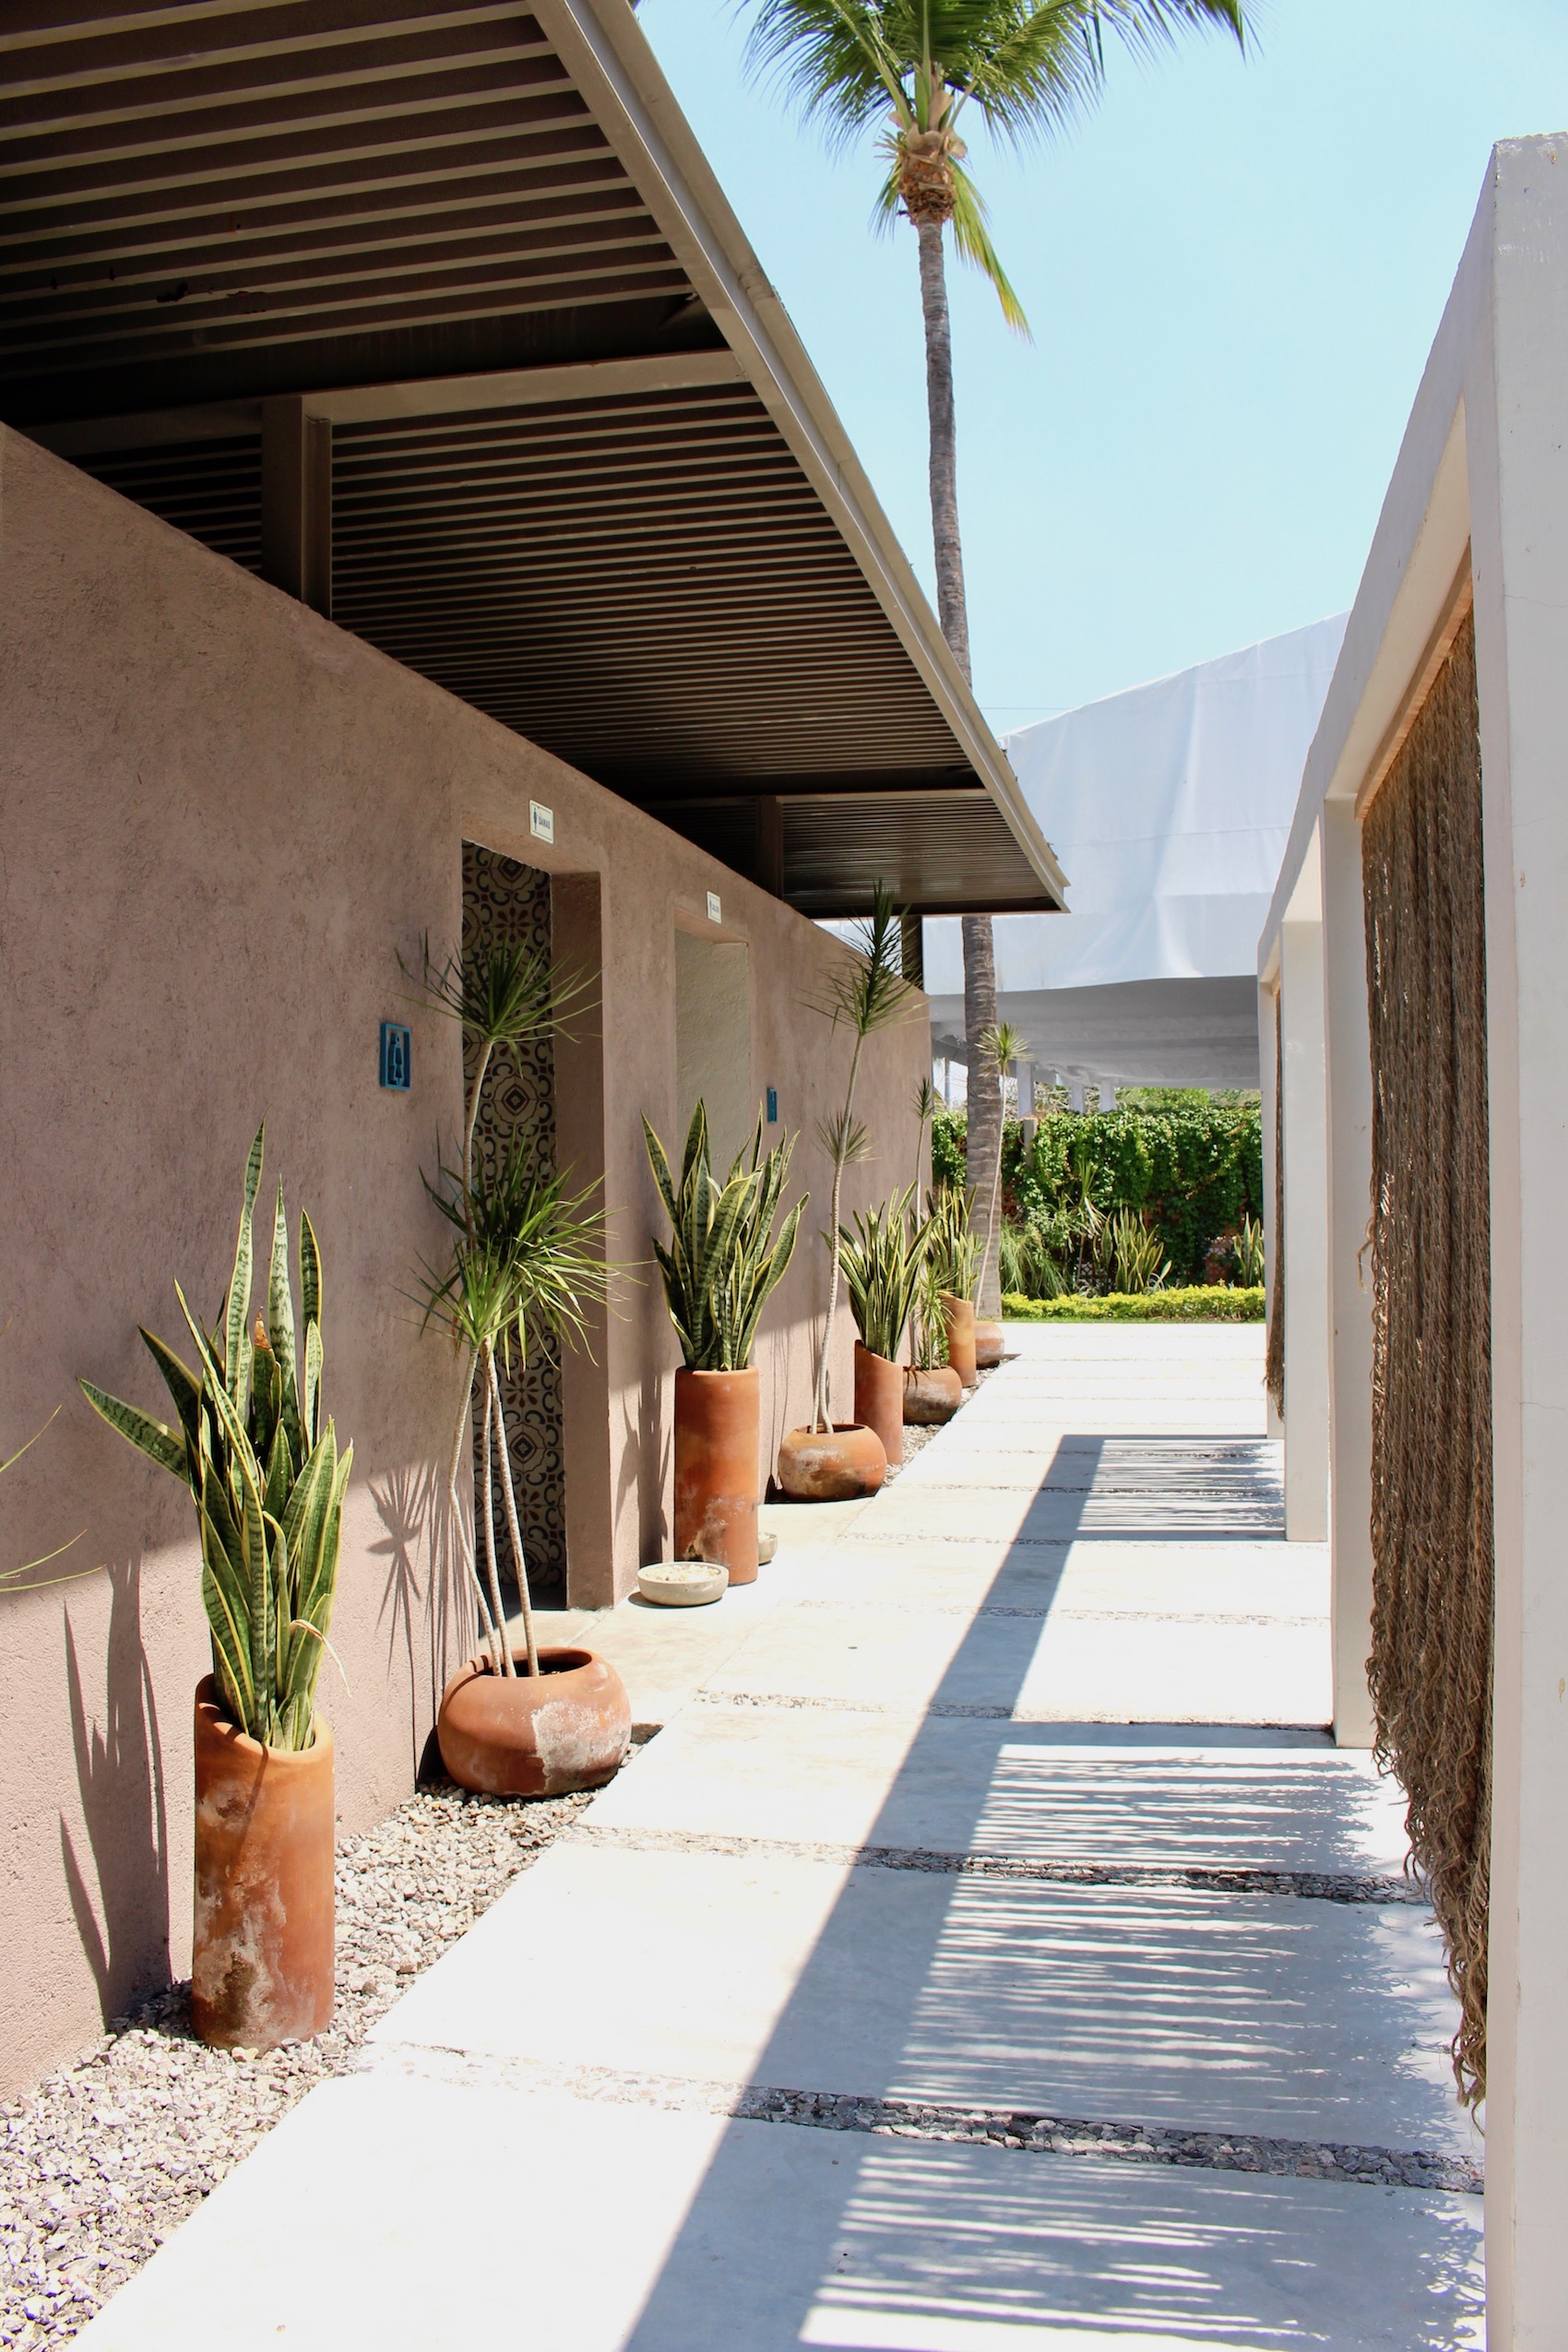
(1479, 495)
(1172, 805)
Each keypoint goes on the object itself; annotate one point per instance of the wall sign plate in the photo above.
(773, 1106)
(395, 1057)
(715, 912)
(541, 821)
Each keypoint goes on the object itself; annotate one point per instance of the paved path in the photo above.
(991, 1951)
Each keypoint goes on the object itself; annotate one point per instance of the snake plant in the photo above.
(954, 1244)
(724, 1259)
(882, 1260)
(265, 1475)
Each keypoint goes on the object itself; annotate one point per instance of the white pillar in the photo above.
(1306, 1221)
(1268, 1031)
(1518, 476)
(1348, 1059)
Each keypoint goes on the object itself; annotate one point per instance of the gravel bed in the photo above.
(111, 2151)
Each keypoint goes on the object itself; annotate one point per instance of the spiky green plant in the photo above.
(882, 1258)
(1030, 1267)
(1250, 1253)
(724, 1260)
(1138, 1254)
(265, 1477)
(954, 1244)
(870, 994)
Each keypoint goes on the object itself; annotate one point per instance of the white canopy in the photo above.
(1170, 807)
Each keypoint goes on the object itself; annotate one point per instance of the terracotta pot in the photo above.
(261, 1963)
(525, 1735)
(989, 1343)
(959, 1317)
(931, 1396)
(879, 1401)
(838, 1465)
(717, 1444)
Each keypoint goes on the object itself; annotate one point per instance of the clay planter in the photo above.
(931, 1396)
(840, 1464)
(959, 1317)
(988, 1345)
(261, 1964)
(717, 1476)
(879, 1401)
(568, 1727)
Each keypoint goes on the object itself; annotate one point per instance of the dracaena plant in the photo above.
(870, 994)
(724, 1260)
(883, 1254)
(527, 1257)
(265, 1475)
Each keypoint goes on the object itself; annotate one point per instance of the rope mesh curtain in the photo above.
(1431, 1527)
(1273, 1356)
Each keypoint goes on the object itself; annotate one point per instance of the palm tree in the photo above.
(911, 70)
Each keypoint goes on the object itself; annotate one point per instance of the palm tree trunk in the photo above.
(979, 952)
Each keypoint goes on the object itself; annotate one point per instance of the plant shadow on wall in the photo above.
(526, 1258)
(119, 1773)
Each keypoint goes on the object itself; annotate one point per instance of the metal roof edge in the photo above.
(608, 55)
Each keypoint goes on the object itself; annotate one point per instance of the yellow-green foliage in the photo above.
(1209, 1302)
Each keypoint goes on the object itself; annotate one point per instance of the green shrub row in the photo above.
(1194, 1172)
(1202, 1303)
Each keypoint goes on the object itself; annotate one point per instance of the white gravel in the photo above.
(111, 2152)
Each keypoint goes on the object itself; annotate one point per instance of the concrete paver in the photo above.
(962, 1814)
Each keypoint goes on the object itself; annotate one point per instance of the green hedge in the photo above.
(1196, 1172)
(1205, 1302)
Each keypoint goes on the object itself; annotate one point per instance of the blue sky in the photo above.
(1233, 273)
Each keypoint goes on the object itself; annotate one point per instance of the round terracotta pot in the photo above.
(261, 1962)
(718, 1441)
(988, 1345)
(879, 1401)
(525, 1735)
(838, 1465)
(931, 1396)
(959, 1317)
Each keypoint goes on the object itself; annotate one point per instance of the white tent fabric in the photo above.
(1169, 807)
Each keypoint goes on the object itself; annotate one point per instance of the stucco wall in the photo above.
(221, 820)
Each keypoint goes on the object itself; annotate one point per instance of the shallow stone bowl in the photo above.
(682, 1584)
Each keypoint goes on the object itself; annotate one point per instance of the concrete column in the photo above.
(1348, 1057)
(1306, 1226)
(296, 502)
(1517, 462)
(1268, 1023)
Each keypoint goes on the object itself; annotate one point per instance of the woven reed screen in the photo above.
(1431, 1532)
(1273, 1354)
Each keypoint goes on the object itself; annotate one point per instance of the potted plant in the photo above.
(264, 1470)
(882, 1259)
(933, 1391)
(1002, 1046)
(955, 1255)
(723, 1262)
(527, 1259)
(833, 1461)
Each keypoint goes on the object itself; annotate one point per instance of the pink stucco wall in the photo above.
(221, 819)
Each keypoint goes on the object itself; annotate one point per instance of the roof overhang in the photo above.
(434, 311)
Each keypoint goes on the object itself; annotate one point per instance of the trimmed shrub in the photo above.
(1202, 1303)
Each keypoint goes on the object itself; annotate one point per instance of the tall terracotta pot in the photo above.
(718, 1473)
(261, 1967)
(959, 1317)
(879, 1401)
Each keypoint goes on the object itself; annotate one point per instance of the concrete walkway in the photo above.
(991, 1949)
